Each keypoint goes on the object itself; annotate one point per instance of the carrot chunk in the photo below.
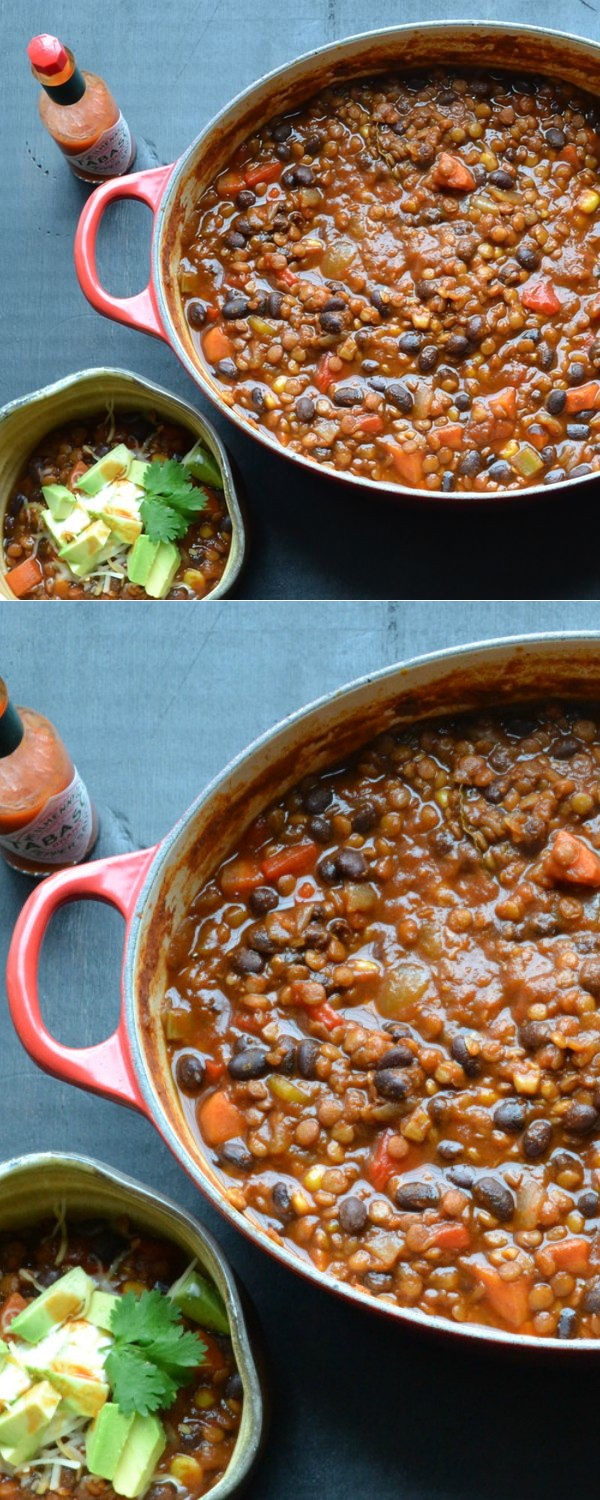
(509, 1299)
(452, 436)
(240, 877)
(381, 1165)
(230, 184)
(326, 1015)
(220, 1118)
(450, 172)
(324, 374)
(369, 423)
(408, 464)
(448, 1236)
(216, 345)
(264, 171)
(583, 396)
(296, 859)
(571, 1255)
(541, 298)
(24, 577)
(571, 860)
(504, 404)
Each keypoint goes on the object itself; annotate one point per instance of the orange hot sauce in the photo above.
(80, 114)
(47, 821)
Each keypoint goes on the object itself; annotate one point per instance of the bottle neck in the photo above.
(68, 92)
(12, 728)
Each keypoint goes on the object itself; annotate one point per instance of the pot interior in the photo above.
(478, 677)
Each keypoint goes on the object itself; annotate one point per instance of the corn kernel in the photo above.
(186, 1469)
(588, 202)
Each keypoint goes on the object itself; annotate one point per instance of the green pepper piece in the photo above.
(203, 466)
(199, 1300)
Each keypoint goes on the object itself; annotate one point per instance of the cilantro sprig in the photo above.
(171, 502)
(152, 1355)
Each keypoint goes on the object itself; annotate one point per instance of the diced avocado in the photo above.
(114, 465)
(66, 1298)
(199, 1300)
(13, 1381)
(72, 1359)
(163, 570)
(139, 563)
(23, 1425)
(136, 471)
(59, 499)
(4, 1352)
(37, 1358)
(145, 1445)
(101, 1308)
(86, 1397)
(83, 554)
(121, 509)
(203, 466)
(106, 1439)
(63, 532)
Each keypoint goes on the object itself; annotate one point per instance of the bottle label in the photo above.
(61, 833)
(110, 155)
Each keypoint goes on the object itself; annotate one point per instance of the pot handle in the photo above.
(106, 1068)
(140, 311)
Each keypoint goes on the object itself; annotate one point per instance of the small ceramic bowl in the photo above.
(32, 1188)
(23, 424)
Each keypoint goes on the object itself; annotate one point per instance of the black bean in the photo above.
(471, 464)
(567, 1324)
(245, 198)
(353, 1215)
(409, 343)
(527, 257)
(234, 1389)
(365, 817)
(475, 329)
(580, 1119)
(594, 353)
(283, 151)
(196, 313)
(348, 395)
(449, 1150)
(251, 1063)
(591, 1297)
(510, 1116)
(493, 1195)
(327, 868)
(108, 1244)
(331, 322)
(351, 864)
(577, 432)
(554, 476)
(274, 304)
(589, 975)
(334, 304)
(189, 1072)
(236, 1154)
(308, 1055)
(317, 798)
(509, 274)
(233, 240)
(461, 1176)
(305, 409)
(227, 368)
(260, 940)
(257, 397)
(501, 472)
(315, 935)
(378, 383)
(400, 395)
(417, 1196)
(314, 143)
(281, 130)
(282, 1201)
(284, 1052)
(462, 400)
(536, 1139)
(262, 900)
(555, 138)
(533, 1034)
(380, 301)
(378, 1281)
(588, 1204)
(426, 289)
(465, 1051)
(243, 226)
(321, 829)
(397, 1057)
(247, 961)
(546, 355)
(576, 372)
(566, 1161)
(457, 346)
(500, 178)
(369, 366)
(391, 1083)
(447, 481)
(428, 358)
(580, 470)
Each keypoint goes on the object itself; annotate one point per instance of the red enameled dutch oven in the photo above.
(172, 192)
(153, 889)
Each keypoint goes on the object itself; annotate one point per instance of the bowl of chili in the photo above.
(380, 261)
(359, 992)
(49, 441)
(61, 1211)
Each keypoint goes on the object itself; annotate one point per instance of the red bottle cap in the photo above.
(47, 55)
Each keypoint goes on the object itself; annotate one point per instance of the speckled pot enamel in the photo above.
(35, 1187)
(23, 424)
(171, 192)
(153, 890)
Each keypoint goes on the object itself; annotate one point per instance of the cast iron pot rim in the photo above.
(157, 1114)
(202, 377)
(135, 1192)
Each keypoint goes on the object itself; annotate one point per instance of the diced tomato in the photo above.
(381, 1166)
(295, 859)
(369, 423)
(571, 860)
(306, 891)
(569, 153)
(324, 374)
(571, 1255)
(509, 1299)
(240, 877)
(540, 297)
(216, 345)
(264, 171)
(504, 404)
(213, 1070)
(230, 184)
(452, 436)
(583, 396)
(13, 1305)
(408, 464)
(212, 313)
(448, 1236)
(450, 172)
(24, 577)
(220, 1119)
(289, 278)
(326, 1015)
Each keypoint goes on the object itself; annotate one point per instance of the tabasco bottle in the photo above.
(80, 113)
(46, 818)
